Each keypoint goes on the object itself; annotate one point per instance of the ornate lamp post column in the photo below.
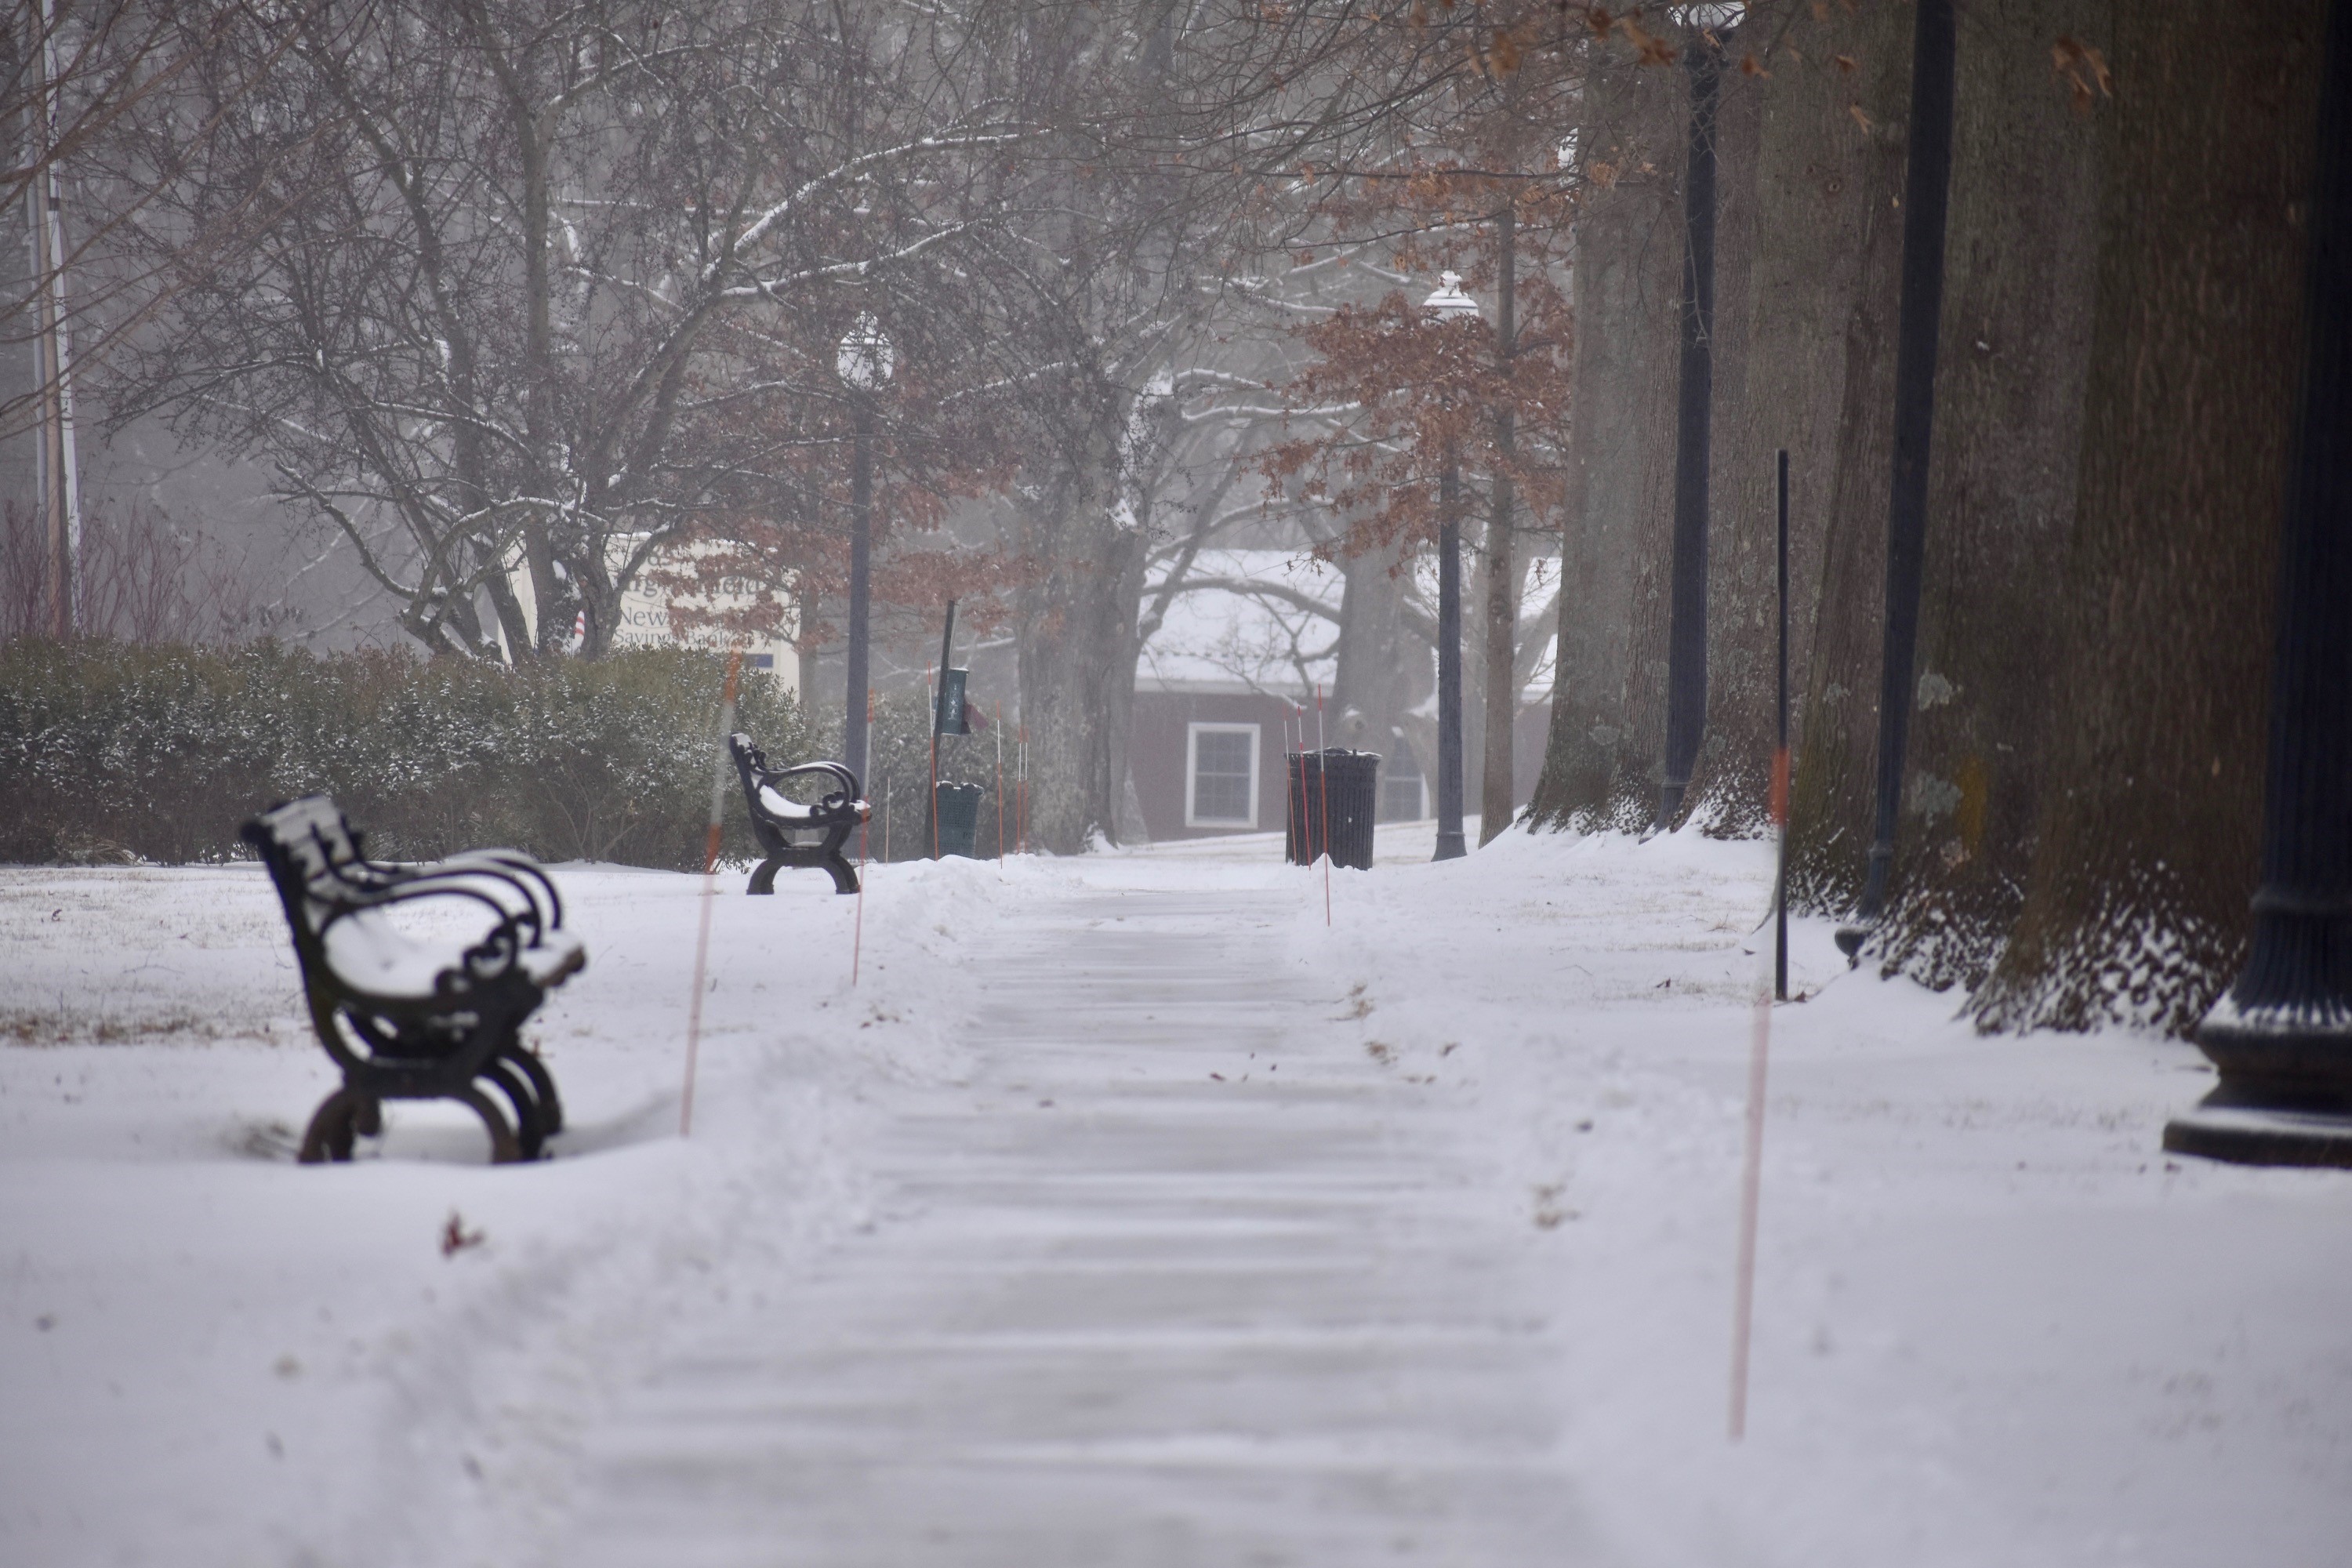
(2283, 1036)
(1926, 195)
(1687, 625)
(1449, 304)
(864, 363)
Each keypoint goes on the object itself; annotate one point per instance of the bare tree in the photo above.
(486, 299)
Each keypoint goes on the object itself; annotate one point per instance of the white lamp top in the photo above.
(1717, 16)
(866, 357)
(1449, 302)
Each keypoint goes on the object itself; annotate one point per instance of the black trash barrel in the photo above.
(1352, 801)
(958, 819)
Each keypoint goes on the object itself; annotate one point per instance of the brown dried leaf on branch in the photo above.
(1652, 49)
(1423, 391)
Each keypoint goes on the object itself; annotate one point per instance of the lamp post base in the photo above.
(2285, 1094)
(2253, 1135)
(1450, 846)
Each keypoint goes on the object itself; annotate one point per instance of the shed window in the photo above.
(1221, 779)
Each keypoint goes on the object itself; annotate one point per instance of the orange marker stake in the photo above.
(709, 887)
(999, 786)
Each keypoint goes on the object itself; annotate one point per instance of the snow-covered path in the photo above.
(1403, 1240)
(1169, 1280)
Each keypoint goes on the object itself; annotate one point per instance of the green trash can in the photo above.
(958, 819)
(1335, 787)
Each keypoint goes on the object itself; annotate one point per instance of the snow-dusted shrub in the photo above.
(162, 751)
(900, 747)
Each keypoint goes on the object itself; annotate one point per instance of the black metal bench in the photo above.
(793, 833)
(407, 1018)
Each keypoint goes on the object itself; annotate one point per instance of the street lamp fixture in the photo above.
(1449, 304)
(867, 356)
(863, 363)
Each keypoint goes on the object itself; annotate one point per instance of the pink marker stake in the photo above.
(1323, 772)
(857, 928)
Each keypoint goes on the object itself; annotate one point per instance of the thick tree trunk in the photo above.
(1498, 684)
(1728, 781)
(2008, 395)
(2135, 908)
(1859, 118)
(1499, 689)
(1686, 620)
(1601, 759)
(1798, 218)
(1077, 651)
(1374, 689)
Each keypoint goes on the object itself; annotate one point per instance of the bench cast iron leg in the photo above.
(529, 1135)
(764, 879)
(328, 1136)
(503, 1147)
(542, 1088)
(844, 875)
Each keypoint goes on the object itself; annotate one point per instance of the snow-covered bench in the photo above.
(793, 834)
(406, 1017)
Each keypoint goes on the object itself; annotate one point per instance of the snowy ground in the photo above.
(1122, 1213)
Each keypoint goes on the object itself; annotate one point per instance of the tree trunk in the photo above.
(2136, 911)
(1687, 615)
(1078, 649)
(1372, 689)
(1497, 803)
(1498, 684)
(1602, 758)
(2009, 420)
(1859, 119)
(1728, 781)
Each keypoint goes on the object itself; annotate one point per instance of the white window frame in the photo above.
(1192, 734)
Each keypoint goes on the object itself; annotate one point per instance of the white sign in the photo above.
(646, 610)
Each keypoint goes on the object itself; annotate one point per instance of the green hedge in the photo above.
(161, 751)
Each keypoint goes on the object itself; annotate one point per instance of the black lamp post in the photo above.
(1449, 304)
(1686, 609)
(2283, 1036)
(864, 363)
(1926, 190)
